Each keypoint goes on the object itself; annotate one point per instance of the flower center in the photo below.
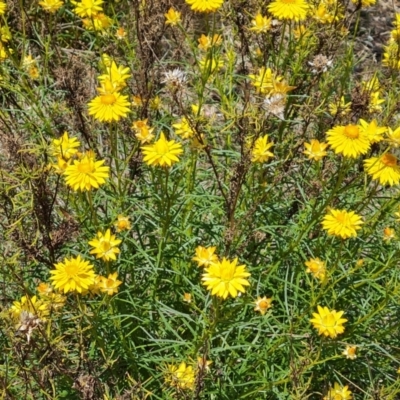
(105, 246)
(342, 218)
(161, 147)
(389, 160)
(85, 167)
(108, 99)
(263, 304)
(351, 131)
(71, 270)
(328, 321)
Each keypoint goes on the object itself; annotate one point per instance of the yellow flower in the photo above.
(365, 3)
(295, 10)
(391, 57)
(394, 137)
(86, 173)
(203, 364)
(348, 140)
(95, 287)
(143, 131)
(65, 146)
(315, 150)
(205, 5)
(384, 168)
(109, 107)
(205, 256)
(266, 82)
(4, 52)
(328, 323)
(339, 393)
(261, 24)
(97, 22)
(210, 65)
(61, 165)
(87, 8)
(181, 377)
(5, 34)
(372, 130)
(183, 128)
(340, 109)
(260, 152)
(225, 278)
(162, 152)
(375, 102)
(122, 223)
(105, 246)
(73, 275)
(205, 42)
(110, 285)
(388, 234)
(3, 7)
(342, 223)
(120, 33)
(44, 289)
(115, 76)
(31, 305)
(316, 267)
(263, 304)
(350, 352)
(155, 103)
(172, 17)
(51, 6)
(187, 297)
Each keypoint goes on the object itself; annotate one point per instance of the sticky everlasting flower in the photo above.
(64, 147)
(105, 246)
(51, 6)
(87, 8)
(263, 304)
(339, 393)
(172, 17)
(350, 352)
(30, 305)
(348, 140)
(182, 376)
(205, 5)
(225, 278)
(162, 152)
(97, 22)
(315, 150)
(260, 152)
(342, 223)
(316, 267)
(73, 275)
(328, 323)
(86, 173)
(3, 7)
(372, 130)
(384, 168)
(122, 223)
(388, 234)
(261, 24)
(183, 128)
(205, 256)
(295, 10)
(143, 132)
(109, 107)
(110, 284)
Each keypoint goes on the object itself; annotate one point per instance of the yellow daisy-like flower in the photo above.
(162, 152)
(205, 256)
(3, 7)
(348, 140)
(316, 267)
(65, 146)
(205, 5)
(105, 246)
(109, 107)
(342, 108)
(110, 285)
(115, 74)
(31, 305)
(87, 8)
(225, 278)
(328, 323)
(342, 223)
(73, 275)
(97, 22)
(86, 173)
(315, 150)
(393, 137)
(182, 376)
(261, 24)
(388, 234)
(339, 393)
(263, 304)
(384, 168)
(260, 152)
(372, 130)
(143, 131)
(51, 6)
(350, 352)
(172, 17)
(205, 42)
(295, 10)
(187, 297)
(122, 223)
(210, 65)
(183, 128)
